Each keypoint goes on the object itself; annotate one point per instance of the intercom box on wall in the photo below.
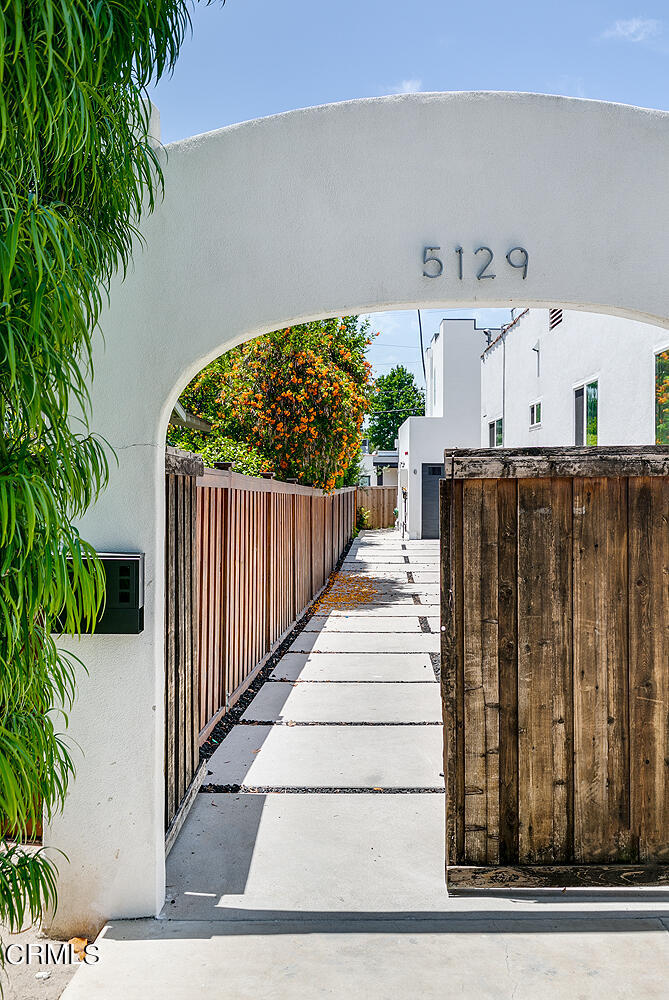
(123, 611)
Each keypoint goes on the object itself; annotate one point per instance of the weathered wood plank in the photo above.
(540, 565)
(507, 605)
(195, 629)
(649, 665)
(475, 732)
(490, 662)
(458, 590)
(553, 463)
(601, 749)
(449, 662)
(555, 876)
(562, 672)
(187, 643)
(170, 650)
(181, 619)
(182, 463)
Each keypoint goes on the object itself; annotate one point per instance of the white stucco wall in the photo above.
(492, 386)
(311, 214)
(619, 353)
(453, 379)
(367, 468)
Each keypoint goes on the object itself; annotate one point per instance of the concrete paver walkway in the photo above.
(318, 868)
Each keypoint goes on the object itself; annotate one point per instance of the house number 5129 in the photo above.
(433, 262)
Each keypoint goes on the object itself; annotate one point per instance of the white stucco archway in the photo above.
(304, 215)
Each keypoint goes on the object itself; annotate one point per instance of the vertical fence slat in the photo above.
(490, 663)
(187, 645)
(601, 750)
(474, 717)
(184, 577)
(649, 664)
(507, 612)
(562, 671)
(541, 586)
(170, 650)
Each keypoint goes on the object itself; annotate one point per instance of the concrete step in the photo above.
(323, 667)
(372, 642)
(330, 757)
(348, 702)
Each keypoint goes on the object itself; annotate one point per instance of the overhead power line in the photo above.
(420, 334)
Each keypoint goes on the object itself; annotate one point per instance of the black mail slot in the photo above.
(123, 612)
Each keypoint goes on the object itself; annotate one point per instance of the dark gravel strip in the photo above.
(285, 722)
(299, 790)
(436, 664)
(410, 578)
(291, 680)
(416, 598)
(231, 718)
(424, 624)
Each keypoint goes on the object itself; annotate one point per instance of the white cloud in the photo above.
(408, 87)
(636, 29)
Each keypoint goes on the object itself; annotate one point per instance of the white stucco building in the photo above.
(452, 420)
(377, 468)
(555, 377)
(551, 377)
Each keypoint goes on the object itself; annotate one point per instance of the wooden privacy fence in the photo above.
(555, 676)
(244, 558)
(265, 550)
(380, 501)
(182, 716)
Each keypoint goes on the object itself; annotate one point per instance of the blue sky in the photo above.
(252, 58)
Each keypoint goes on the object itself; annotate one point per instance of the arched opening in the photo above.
(625, 359)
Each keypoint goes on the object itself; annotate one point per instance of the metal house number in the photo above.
(433, 264)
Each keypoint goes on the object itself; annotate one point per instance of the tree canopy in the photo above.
(394, 398)
(292, 401)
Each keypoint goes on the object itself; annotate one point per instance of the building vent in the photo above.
(554, 318)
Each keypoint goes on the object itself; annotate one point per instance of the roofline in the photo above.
(181, 417)
(460, 319)
(505, 330)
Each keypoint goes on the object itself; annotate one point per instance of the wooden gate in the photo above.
(555, 677)
(380, 501)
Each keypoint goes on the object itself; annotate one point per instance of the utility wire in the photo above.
(422, 355)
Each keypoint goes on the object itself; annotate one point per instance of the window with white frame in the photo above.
(586, 413)
(535, 413)
(496, 433)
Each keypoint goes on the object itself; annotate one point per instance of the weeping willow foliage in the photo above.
(76, 173)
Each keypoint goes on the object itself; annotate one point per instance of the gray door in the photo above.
(430, 500)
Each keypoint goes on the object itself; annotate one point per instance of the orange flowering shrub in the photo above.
(297, 397)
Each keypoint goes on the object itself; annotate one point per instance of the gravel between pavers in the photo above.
(232, 718)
